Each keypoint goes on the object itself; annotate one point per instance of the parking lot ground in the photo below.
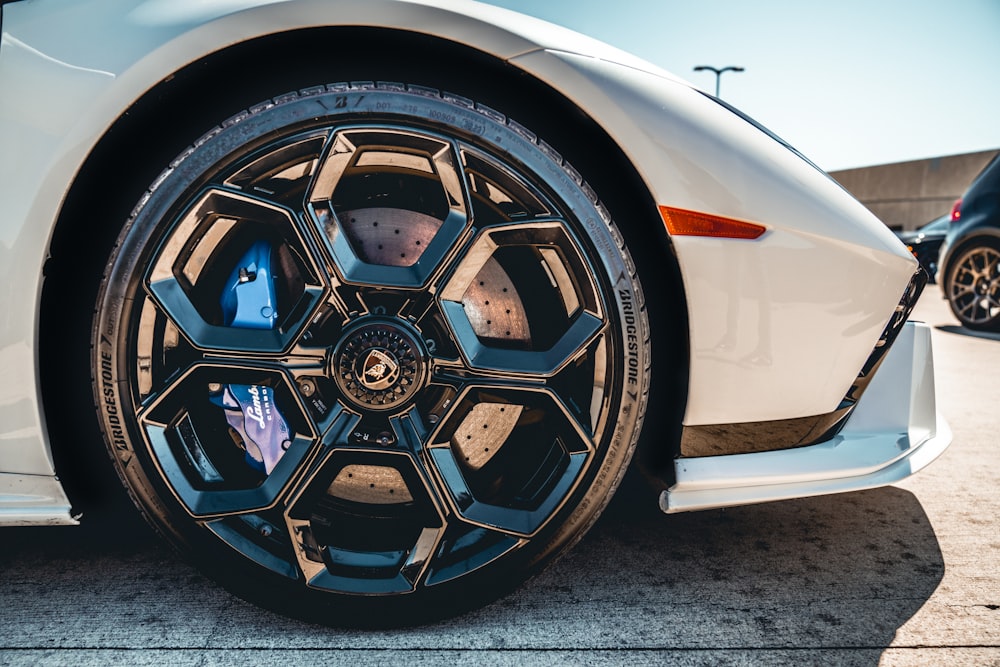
(904, 575)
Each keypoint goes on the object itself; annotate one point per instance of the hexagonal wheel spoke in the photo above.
(579, 387)
(282, 171)
(390, 203)
(235, 275)
(227, 438)
(375, 521)
(364, 521)
(509, 457)
(522, 300)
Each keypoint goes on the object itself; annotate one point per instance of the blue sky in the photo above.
(850, 83)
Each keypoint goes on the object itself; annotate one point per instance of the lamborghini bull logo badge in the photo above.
(379, 370)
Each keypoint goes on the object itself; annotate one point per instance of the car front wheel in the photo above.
(370, 354)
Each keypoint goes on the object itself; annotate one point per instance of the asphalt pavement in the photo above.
(903, 575)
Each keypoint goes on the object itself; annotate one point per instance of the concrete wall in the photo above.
(905, 195)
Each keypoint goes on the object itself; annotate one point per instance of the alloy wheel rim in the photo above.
(974, 290)
(440, 357)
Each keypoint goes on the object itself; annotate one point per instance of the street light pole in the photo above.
(718, 73)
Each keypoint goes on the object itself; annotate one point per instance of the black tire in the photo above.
(973, 286)
(453, 420)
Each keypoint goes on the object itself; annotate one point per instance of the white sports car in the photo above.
(372, 300)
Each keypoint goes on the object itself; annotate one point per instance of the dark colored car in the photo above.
(925, 243)
(969, 267)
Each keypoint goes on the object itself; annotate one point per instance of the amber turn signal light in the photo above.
(681, 222)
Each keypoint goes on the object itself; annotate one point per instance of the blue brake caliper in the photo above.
(251, 412)
(248, 302)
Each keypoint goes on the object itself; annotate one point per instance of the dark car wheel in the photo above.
(973, 286)
(370, 354)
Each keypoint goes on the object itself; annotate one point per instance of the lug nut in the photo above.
(307, 387)
(214, 387)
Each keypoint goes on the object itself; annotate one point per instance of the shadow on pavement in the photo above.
(841, 571)
(962, 331)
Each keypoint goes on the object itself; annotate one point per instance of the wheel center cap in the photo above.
(378, 366)
(377, 370)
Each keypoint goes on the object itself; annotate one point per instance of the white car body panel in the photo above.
(767, 318)
(806, 295)
(889, 436)
(34, 500)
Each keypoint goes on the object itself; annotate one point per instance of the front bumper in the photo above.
(894, 431)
